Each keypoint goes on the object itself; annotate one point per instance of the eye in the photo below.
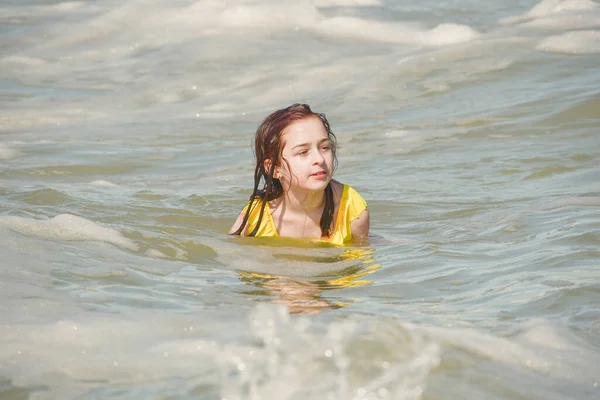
(302, 153)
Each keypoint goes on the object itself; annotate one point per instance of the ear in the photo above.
(267, 164)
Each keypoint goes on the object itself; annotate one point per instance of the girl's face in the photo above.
(307, 156)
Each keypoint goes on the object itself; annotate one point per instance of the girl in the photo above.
(295, 156)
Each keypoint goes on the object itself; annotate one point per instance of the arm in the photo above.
(360, 225)
(237, 224)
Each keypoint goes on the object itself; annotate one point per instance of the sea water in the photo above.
(470, 127)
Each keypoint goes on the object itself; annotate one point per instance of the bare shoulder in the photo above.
(361, 224)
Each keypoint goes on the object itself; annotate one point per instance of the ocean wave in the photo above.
(67, 227)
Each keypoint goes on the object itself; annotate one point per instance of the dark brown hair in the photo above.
(268, 146)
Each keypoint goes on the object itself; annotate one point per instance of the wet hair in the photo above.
(268, 145)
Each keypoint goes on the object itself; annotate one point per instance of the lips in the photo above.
(320, 174)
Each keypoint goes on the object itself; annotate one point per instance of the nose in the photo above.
(317, 158)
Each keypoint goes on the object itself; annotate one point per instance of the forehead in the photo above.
(307, 130)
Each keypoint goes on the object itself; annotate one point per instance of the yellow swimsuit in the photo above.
(351, 205)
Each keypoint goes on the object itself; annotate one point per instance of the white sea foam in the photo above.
(197, 33)
(275, 16)
(103, 322)
(67, 227)
(288, 16)
(403, 142)
(564, 22)
(22, 61)
(346, 3)
(274, 354)
(157, 26)
(548, 8)
(82, 349)
(60, 8)
(155, 253)
(102, 183)
(443, 34)
(36, 116)
(7, 153)
(538, 345)
(578, 42)
(277, 369)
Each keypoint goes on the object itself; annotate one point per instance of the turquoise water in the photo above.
(470, 129)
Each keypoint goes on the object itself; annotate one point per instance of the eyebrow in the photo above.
(308, 144)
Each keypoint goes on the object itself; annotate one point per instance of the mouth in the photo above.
(320, 175)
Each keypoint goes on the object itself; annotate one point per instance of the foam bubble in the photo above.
(156, 253)
(102, 183)
(443, 34)
(578, 42)
(277, 369)
(79, 353)
(248, 16)
(307, 16)
(6, 153)
(449, 34)
(544, 334)
(275, 16)
(404, 142)
(67, 227)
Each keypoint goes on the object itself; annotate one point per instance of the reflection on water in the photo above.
(305, 295)
(300, 297)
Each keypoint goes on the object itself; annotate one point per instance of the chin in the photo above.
(318, 186)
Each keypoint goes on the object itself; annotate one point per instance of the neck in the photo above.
(306, 202)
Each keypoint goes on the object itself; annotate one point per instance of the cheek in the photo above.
(284, 168)
(329, 159)
(291, 169)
